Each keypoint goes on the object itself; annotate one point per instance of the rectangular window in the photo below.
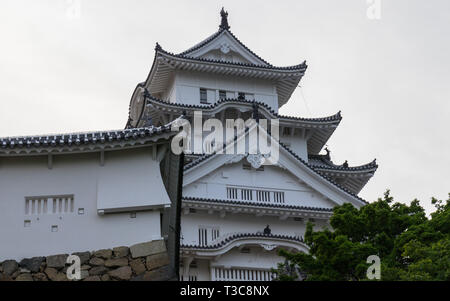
(263, 196)
(207, 234)
(278, 197)
(246, 194)
(215, 233)
(232, 193)
(287, 131)
(39, 205)
(222, 94)
(202, 237)
(203, 96)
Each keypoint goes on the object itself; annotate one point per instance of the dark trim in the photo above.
(336, 118)
(58, 140)
(243, 235)
(300, 67)
(258, 204)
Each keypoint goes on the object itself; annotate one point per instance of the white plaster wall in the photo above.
(258, 258)
(273, 178)
(75, 174)
(239, 223)
(202, 271)
(296, 144)
(188, 84)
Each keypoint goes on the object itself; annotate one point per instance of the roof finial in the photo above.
(328, 153)
(224, 24)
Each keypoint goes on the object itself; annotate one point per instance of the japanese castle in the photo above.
(236, 211)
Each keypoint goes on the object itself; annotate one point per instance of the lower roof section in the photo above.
(267, 241)
(354, 178)
(255, 208)
(82, 142)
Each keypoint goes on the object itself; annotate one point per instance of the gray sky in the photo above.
(64, 70)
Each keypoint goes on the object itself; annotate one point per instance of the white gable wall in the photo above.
(273, 178)
(77, 175)
(229, 47)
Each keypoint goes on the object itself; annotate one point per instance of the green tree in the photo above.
(410, 246)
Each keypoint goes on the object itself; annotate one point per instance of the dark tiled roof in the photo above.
(334, 118)
(231, 238)
(56, 140)
(299, 67)
(322, 175)
(281, 206)
(197, 161)
(323, 163)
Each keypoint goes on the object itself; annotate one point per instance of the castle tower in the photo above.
(237, 212)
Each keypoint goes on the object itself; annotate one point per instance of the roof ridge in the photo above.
(78, 138)
(322, 175)
(301, 67)
(335, 117)
(367, 166)
(228, 239)
(310, 208)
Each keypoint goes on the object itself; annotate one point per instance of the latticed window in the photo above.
(203, 237)
(232, 193)
(203, 95)
(215, 233)
(207, 234)
(49, 205)
(278, 197)
(263, 196)
(246, 194)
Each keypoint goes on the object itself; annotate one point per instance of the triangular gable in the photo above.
(287, 160)
(235, 174)
(223, 45)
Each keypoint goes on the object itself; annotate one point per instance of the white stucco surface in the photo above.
(129, 181)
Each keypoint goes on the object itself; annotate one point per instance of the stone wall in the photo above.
(141, 262)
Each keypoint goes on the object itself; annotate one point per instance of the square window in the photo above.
(241, 95)
(133, 215)
(54, 228)
(80, 211)
(27, 223)
(222, 94)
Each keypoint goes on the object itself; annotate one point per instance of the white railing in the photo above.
(241, 274)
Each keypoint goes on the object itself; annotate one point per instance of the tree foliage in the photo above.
(410, 245)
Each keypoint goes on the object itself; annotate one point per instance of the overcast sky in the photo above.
(72, 66)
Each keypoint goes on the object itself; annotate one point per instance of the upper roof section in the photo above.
(221, 55)
(224, 45)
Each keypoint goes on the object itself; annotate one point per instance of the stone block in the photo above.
(157, 261)
(123, 273)
(148, 248)
(121, 252)
(116, 262)
(57, 261)
(105, 253)
(32, 264)
(9, 267)
(137, 266)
